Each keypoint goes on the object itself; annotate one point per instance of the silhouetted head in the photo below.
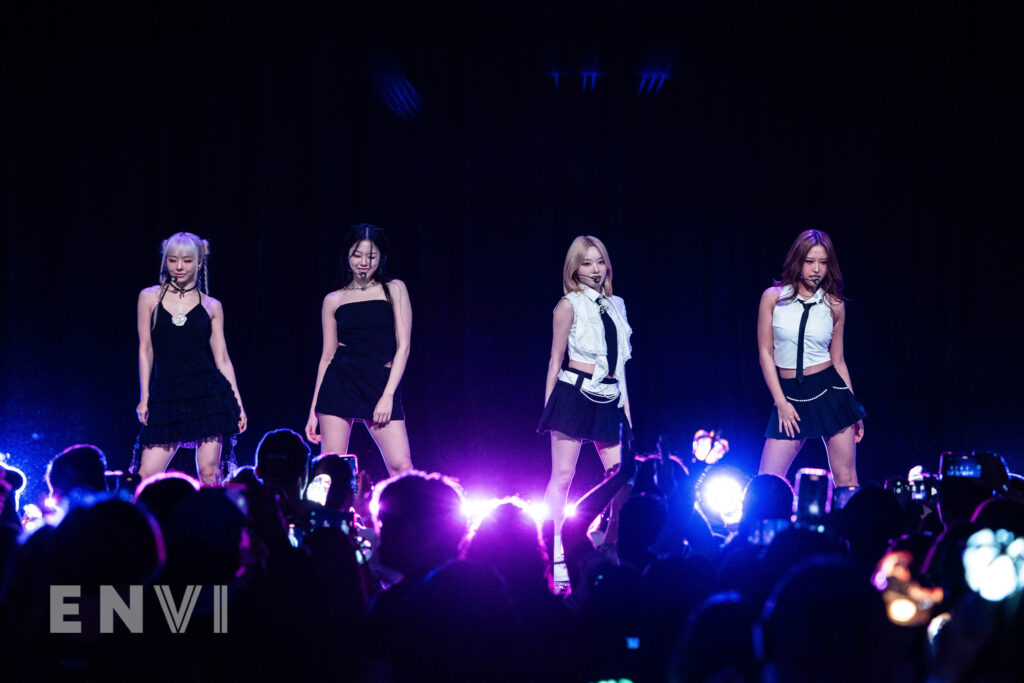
(508, 539)
(767, 497)
(824, 621)
(282, 460)
(108, 542)
(420, 520)
(160, 493)
(80, 467)
(717, 642)
(870, 522)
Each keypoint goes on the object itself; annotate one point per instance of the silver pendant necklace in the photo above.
(179, 319)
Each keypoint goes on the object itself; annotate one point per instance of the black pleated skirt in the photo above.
(570, 412)
(824, 403)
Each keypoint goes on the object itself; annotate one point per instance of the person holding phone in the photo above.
(800, 327)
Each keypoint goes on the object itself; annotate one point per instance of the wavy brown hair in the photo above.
(804, 242)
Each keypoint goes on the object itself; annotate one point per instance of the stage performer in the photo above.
(367, 325)
(585, 397)
(800, 342)
(188, 393)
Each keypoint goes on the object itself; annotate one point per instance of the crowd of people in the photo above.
(395, 583)
(298, 566)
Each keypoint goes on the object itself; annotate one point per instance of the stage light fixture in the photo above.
(720, 494)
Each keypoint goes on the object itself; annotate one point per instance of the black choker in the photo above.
(181, 291)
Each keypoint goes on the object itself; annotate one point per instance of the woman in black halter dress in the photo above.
(366, 326)
(188, 393)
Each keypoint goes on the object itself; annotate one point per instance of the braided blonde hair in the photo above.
(196, 247)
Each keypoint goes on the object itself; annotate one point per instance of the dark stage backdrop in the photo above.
(270, 127)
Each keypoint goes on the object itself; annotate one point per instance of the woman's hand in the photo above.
(382, 412)
(788, 419)
(142, 411)
(243, 421)
(311, 429)
(858, 431)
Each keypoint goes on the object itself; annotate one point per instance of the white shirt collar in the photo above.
(790, 292)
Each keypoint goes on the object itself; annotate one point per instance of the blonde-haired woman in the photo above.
(585, 396)
(188, 394)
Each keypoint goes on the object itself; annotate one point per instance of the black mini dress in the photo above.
(356, 377)
(189, 399)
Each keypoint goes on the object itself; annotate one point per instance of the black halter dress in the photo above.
(356, 377)
(189, 399)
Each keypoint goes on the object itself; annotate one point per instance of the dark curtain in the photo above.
(466, 130)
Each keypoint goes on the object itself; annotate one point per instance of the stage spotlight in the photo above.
(539, 511)
(475, 509)
(709, 447)
(994, 564)
(720, 494)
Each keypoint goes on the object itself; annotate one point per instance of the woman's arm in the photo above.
(403, 334)
(622, 380)
(330, 347)
(559, 340)
(788, 417)
(835, 351)
(625, 405)
(835, 348)
(147, 301)
(220, 355)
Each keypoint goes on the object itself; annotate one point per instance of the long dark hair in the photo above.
(805, 241)
(358, 233)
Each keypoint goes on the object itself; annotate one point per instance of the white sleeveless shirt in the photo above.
(587, 343)
(786, 329)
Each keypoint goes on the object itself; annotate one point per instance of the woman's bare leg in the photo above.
(565, 451)
(393, 441)
(208, 460)
(778, 455)
(334, 433)
(842, 457)
(155, 459)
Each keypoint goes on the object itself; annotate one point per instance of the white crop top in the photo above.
(587, 343)
(786, 329)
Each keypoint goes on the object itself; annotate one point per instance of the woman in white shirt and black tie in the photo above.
(585, 397)
(800, 342)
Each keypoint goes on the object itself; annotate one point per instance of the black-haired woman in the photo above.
(367, 325)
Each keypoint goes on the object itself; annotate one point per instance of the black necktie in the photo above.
(800, 342)
(611, 336)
